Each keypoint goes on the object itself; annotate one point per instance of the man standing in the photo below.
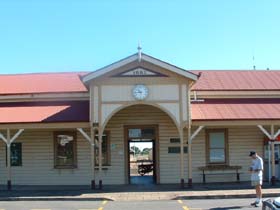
(256, 170)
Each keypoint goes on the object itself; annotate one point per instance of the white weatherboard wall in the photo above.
(241, 141)
(38, 162)
(124, 93)
(116, 96)
(144, 115)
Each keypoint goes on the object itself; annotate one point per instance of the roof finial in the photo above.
(254, 66)
(139, 48)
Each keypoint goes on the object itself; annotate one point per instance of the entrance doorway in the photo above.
(142, 154)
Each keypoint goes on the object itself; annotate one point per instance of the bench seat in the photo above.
(221, 168)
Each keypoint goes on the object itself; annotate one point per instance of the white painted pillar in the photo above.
(189, 157)
(9, 173)
(273, 179)
(8, 141)
(100, 133)
(92, 158)
(190, 139)
(182, 157)
(269, 161)
(271, 136)
(90, 139)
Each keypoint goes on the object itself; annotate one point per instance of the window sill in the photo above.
(105, 168)
(65, 167)
(217, 164)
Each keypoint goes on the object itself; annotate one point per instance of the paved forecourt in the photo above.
(209, 204)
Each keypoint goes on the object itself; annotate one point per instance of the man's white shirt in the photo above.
(257, 164)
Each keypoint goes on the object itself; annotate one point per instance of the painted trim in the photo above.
(142, 103)
(157, 74)
(157, 150)
(75, 152)
(134, 57)
(45, 125)
(226, 149)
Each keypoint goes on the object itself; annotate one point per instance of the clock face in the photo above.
(140, 92)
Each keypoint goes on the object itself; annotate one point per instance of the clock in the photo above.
(140, 92)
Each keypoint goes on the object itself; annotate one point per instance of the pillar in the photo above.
(92, 158)
(9, 174)
(182, 181)
(100, 133)
(189, 157)
(273, 179)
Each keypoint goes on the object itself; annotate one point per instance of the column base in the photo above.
(190, 183)
(100, 184)
(273, 180)
(93, 184)
(182, 183)
(9, 185)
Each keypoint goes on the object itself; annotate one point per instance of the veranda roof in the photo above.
(236, 109)
(78, 111)
(44, 112)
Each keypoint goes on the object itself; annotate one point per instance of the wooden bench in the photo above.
(220, 168)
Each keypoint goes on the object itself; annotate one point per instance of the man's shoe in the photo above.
(254, 203)
(257, 204)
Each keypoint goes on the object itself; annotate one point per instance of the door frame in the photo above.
(155, 155)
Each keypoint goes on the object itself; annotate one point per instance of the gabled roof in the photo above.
(239, 80)
(144, 57)
(68, 82)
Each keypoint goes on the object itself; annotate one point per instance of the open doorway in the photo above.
(141, 164)
(141, 142)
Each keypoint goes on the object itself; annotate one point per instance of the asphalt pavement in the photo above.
(201, 204)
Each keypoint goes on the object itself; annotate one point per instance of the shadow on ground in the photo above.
(72, 191)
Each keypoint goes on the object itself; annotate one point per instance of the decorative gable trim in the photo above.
(144, 57)
(140, 72)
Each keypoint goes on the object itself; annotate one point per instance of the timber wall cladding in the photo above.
(38, 162)
(38, 165)
(143, 115)
(241, 141)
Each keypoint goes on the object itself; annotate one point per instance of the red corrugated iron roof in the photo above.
(238, 80)
(236, 109)
(78, 111)
(42, 83)
(47, 112)
(70, 82)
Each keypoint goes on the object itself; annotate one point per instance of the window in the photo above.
(16, 154)
(65, 150)
(216, 146)
(174, 140)
(141, 133)
(105, 149)
(176, 150)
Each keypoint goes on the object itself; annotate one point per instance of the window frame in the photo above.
(108, 155)
(21, 164)
(70, 133)
(226, 153)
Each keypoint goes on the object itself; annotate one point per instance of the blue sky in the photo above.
(84, 35)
